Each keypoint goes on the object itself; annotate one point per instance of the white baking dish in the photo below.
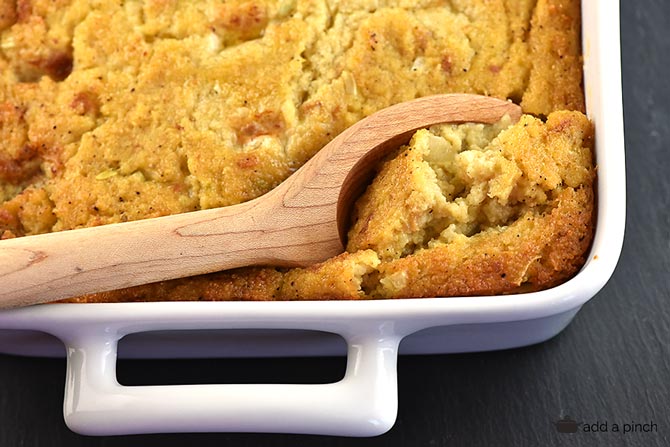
(364, 402)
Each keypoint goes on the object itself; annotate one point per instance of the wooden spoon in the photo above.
(302, 221)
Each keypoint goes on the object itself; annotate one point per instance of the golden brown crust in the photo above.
(8, 13)
(202, 104)
(194, 105)
(556, 77)
(26, 214)
(249, 284)
(338, 278)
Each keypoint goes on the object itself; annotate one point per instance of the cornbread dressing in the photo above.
(118, 111)
(462, 210)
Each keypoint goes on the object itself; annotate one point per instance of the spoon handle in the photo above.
(48, 267)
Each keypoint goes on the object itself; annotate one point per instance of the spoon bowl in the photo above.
(302, 221)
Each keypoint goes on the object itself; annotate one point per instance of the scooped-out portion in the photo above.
(461, 210)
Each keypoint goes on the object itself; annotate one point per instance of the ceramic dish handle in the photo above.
(363, 403)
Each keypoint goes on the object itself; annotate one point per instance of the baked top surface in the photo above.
(117, 111)
(120, 111)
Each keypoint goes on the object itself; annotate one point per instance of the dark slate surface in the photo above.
(612, 364)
